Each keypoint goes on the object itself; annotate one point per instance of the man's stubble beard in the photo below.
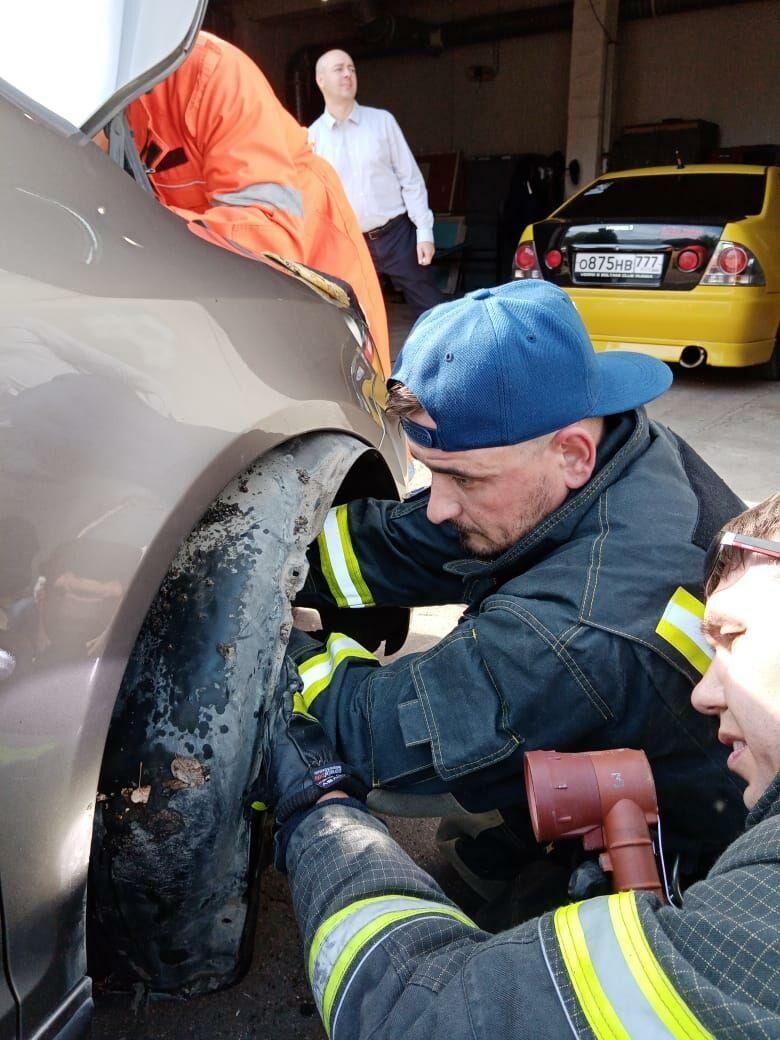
(539, 506)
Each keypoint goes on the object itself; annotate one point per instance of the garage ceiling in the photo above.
(438, 10)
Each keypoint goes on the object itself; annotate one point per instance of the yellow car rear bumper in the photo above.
(736, 326)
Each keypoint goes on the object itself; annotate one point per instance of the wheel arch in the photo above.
(174, 891)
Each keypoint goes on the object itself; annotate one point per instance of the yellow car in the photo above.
(682, 264)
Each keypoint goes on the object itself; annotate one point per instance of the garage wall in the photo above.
(271, 43)
(440, 109)
(720, 65)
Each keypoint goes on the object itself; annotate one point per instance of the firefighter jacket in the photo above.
(221, 149)
(389, 956)
(584, 635)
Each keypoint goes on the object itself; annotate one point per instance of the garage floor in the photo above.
(730, 419)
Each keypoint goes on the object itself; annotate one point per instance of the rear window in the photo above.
(691, 197)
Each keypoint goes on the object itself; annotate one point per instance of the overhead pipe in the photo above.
(632, 10)
(503, 25)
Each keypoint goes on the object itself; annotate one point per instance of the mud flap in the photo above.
(176, 844)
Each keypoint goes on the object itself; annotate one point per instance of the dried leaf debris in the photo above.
(188, 771)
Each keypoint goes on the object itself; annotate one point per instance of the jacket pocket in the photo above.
(464, 715)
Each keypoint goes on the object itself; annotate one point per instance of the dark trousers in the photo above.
(395, 254)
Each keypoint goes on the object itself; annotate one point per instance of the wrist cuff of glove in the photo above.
(328, 778)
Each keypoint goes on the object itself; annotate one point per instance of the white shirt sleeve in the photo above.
(411, 181)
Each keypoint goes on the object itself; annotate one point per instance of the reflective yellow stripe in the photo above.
(680, 625)
(339, 562)
(620, 986)
(318, 671)
(340, 940)
(650, 977)
(584, 979)
(299, 707)
(352, 561)
(684, 599)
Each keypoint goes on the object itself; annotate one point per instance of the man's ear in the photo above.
(576, 446)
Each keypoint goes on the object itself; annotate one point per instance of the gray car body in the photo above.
(141, 370)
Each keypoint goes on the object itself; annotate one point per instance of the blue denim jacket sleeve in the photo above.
(478, 698)
(382, 553)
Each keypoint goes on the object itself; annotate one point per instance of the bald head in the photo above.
(331, 58)
(337, 80)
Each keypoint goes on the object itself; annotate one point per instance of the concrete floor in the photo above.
(733, 421)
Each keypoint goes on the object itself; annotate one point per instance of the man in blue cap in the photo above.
(574, 528)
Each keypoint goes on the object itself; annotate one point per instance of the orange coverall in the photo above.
(223, 150)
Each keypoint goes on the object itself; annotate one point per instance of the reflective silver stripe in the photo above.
(333, 941)
(280, 196)
(622, 989)
(688, 623)
(340, 565)
(175, 187)
(619, 985)
(343, 942)
(680, 625)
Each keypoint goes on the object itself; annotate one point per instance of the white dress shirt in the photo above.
(376, 167)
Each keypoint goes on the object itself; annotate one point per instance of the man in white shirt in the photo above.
(381, 179)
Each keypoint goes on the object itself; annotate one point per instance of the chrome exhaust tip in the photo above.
(693, 357)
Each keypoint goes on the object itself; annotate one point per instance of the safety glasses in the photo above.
(715, 563)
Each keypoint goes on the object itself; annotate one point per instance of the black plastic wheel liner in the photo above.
(176, 844)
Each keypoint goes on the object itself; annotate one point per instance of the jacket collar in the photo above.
(767, 805)
(353, 117)
(623, 442)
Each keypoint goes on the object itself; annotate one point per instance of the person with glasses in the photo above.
(574, 529)
(741, 688)
(388, 955)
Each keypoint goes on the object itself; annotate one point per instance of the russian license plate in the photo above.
(617, 267)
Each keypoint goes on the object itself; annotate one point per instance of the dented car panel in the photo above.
(141, 370)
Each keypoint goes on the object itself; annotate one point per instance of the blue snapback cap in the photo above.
(508, 364)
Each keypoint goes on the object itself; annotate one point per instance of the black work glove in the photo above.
(300, 762)
(369, 626)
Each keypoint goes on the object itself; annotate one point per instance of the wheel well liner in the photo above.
(176, 844)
